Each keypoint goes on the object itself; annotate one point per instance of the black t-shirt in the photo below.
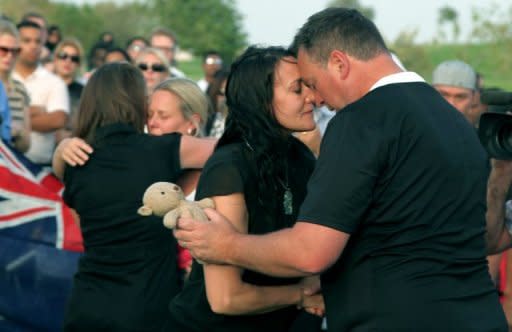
(75, 92)
(232, 169)
(128, 273)
(404, 174)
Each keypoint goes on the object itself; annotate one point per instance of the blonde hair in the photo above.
(156, 52)
(8, 28)
(73, 42)
(192, 100)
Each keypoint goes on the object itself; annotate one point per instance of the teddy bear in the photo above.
(166, 199)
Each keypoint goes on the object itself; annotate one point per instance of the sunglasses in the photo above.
(64, 56)
(156, 67)
(4, 50)
(213, 61)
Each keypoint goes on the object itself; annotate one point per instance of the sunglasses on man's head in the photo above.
(213, 61)
(14, 50)
(64, 56)
(156, 67)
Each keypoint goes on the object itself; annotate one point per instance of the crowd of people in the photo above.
(350, 194)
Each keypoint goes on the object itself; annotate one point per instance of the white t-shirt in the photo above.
(202, 84)
(49, 91)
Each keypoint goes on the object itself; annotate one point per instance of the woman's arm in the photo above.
(194, 152)
(71, 151)
(226, 292)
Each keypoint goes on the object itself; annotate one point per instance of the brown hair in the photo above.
(115, 93)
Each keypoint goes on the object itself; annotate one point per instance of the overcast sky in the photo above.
(274, 22)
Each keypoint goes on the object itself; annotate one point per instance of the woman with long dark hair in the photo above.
(128, 273)
(257, 178)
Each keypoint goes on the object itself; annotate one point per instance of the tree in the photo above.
(369, 12)
(203, 25)
(448, 15)
(491, 24)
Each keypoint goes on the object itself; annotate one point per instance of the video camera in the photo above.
(495, 127)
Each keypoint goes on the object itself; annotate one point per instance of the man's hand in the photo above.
(312, 300)
(207, 241)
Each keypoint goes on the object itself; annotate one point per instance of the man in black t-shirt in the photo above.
(394, 217)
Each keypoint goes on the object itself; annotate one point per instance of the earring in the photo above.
(191, 131)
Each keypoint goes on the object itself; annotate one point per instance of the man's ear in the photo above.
(339, 64)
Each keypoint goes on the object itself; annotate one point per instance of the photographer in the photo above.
(495, 133)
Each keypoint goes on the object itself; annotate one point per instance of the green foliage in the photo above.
(488, 51)
(200, 25)
(448, 15)
(203, 25)
(491, 24)
(492, 60)
(193, 69)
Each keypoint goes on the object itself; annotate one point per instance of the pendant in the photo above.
(288, 202)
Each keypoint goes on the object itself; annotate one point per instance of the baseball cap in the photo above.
(454, 73)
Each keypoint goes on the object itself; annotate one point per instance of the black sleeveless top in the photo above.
(128, 273)
(232, 169)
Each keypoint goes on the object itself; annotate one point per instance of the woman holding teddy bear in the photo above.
(257, 178)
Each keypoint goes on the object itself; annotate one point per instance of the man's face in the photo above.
(41, 22)
(212, 64)
(322, 81)
(164, 44)
(31, 45)
(460, 98)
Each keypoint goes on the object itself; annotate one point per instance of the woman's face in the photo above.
(153, 69)
(293, 102)
(67, 61)
(165, 115)
(9, 49)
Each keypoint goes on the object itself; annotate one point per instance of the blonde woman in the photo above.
(18, 97)
(67, 60)
(154, 66)
(177, 105)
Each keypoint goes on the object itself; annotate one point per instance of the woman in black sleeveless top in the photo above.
(128, 273)
(257, 177)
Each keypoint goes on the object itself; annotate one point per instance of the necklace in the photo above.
(287, 195)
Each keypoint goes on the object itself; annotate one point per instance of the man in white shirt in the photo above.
(49, 97)
(212, 62)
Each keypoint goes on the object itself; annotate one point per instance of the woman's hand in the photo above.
(314, 304)
(311, 299)
(71, 151)
(74, 151)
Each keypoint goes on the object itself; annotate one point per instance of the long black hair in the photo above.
(251, 120)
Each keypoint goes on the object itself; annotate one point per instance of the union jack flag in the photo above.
(40, 244)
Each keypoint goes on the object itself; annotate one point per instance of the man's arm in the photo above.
(498, 185)
(47, 121)
(305, 249)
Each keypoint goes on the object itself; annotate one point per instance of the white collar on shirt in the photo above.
(402, 77)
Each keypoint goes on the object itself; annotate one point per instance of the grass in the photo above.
(493, 61)
(192, 68)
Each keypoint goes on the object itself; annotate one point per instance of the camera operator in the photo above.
(458, 83)
(495, 133)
